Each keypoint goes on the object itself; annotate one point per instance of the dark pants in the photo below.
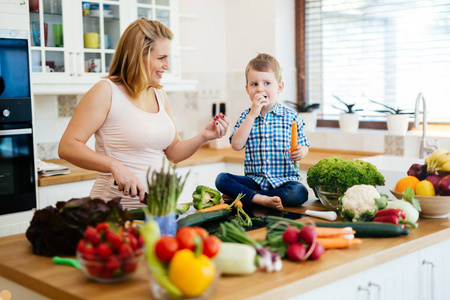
(292, 193)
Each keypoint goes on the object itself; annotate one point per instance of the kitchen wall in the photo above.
(217, 39)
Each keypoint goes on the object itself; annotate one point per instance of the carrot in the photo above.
(294, 142)
(215, 207)
(238, 203)
(327, 232)
(338, 242)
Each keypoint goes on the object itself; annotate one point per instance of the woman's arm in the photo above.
(89, 116)
(180, 150)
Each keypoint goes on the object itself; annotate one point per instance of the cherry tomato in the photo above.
(200, 231)
(165, 248)
(211, 246)
(185, 237)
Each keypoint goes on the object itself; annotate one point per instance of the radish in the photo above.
(296, 252)
(317, 251)
(290, 235)
(307, 234)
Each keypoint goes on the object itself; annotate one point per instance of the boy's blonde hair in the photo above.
(264, 63)
(127, 65)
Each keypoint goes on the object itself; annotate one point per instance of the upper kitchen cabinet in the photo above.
(73, 41)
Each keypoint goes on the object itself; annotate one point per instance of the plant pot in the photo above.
(310, 119)
(397, 124)
(349, 122)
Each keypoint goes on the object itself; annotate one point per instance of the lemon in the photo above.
(425, 188)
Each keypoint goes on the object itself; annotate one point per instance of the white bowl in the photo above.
(432, 206)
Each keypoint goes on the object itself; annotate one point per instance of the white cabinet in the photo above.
(13, 14)
(434, 267)
(73, 41)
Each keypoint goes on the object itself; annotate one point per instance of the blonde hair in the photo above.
(128, 65)
(264, 63)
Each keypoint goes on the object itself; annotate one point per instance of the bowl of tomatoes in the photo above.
(110, 253)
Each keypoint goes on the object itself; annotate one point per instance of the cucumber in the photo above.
(136, 214)
(368, 229)
(197, 219)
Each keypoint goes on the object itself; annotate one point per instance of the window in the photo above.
(386, 50)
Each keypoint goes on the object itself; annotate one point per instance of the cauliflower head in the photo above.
(361, 202)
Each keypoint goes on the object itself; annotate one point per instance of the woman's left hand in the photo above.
(217, 128)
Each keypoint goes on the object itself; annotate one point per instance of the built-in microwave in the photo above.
(17, 167)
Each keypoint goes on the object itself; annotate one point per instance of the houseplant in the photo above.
(307, 112)
(348, 120)
(397, 119)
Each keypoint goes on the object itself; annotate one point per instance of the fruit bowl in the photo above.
(328, 199)
(432, 206)
(113, 269)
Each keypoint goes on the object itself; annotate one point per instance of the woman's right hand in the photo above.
(127, 182)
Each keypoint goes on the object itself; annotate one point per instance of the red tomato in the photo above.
(201, 232)
(165, 248)
(211, 246)
(185, 237)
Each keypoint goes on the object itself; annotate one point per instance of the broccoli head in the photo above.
(337, 174)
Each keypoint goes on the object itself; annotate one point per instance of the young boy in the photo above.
(264, 130)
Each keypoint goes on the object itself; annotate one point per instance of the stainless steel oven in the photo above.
(17, 171)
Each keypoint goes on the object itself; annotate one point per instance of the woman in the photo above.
(130, 115)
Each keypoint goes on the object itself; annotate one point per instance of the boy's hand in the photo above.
(299, 153)
(258, 103)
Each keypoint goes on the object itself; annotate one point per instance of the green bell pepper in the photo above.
(204, 197)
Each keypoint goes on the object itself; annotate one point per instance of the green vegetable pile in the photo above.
(337, 174)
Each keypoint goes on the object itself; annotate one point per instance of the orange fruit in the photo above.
(408, 181)
(425, 188)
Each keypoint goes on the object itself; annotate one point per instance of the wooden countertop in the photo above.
(204, 155)
(38, 273)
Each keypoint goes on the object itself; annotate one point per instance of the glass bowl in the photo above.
(109, 270)
(328, 199)
(434, 207)
(159, 292)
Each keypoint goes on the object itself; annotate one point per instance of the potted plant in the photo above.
(397, 119)
(307, 112)
(348, 120)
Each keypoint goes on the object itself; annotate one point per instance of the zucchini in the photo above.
(369, 229)
(197, 219)
(136, 214)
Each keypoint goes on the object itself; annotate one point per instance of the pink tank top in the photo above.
(134, 137)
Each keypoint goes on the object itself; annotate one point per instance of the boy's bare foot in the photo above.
(270, 202)
(227, 198)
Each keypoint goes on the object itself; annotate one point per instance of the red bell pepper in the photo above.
(393, 216)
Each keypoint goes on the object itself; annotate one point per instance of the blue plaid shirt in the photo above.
(266, 158)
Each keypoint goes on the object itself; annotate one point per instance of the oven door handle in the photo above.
(15, 131)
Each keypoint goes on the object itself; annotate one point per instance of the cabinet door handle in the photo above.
(360, 288)
(378, 287)
(80, 65)
(73, 66)
(430, 278)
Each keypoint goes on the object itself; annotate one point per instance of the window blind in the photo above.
(385, 50)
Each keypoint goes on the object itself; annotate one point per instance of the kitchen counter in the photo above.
(204, 155)
(38, 273)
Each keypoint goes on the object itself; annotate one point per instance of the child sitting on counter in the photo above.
(271, 178)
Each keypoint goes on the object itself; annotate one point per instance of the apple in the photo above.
(443, 186)
(418, 170)
(434, 179)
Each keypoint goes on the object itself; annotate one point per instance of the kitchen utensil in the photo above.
(329, 200)
(327, 215)
(67, 261)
